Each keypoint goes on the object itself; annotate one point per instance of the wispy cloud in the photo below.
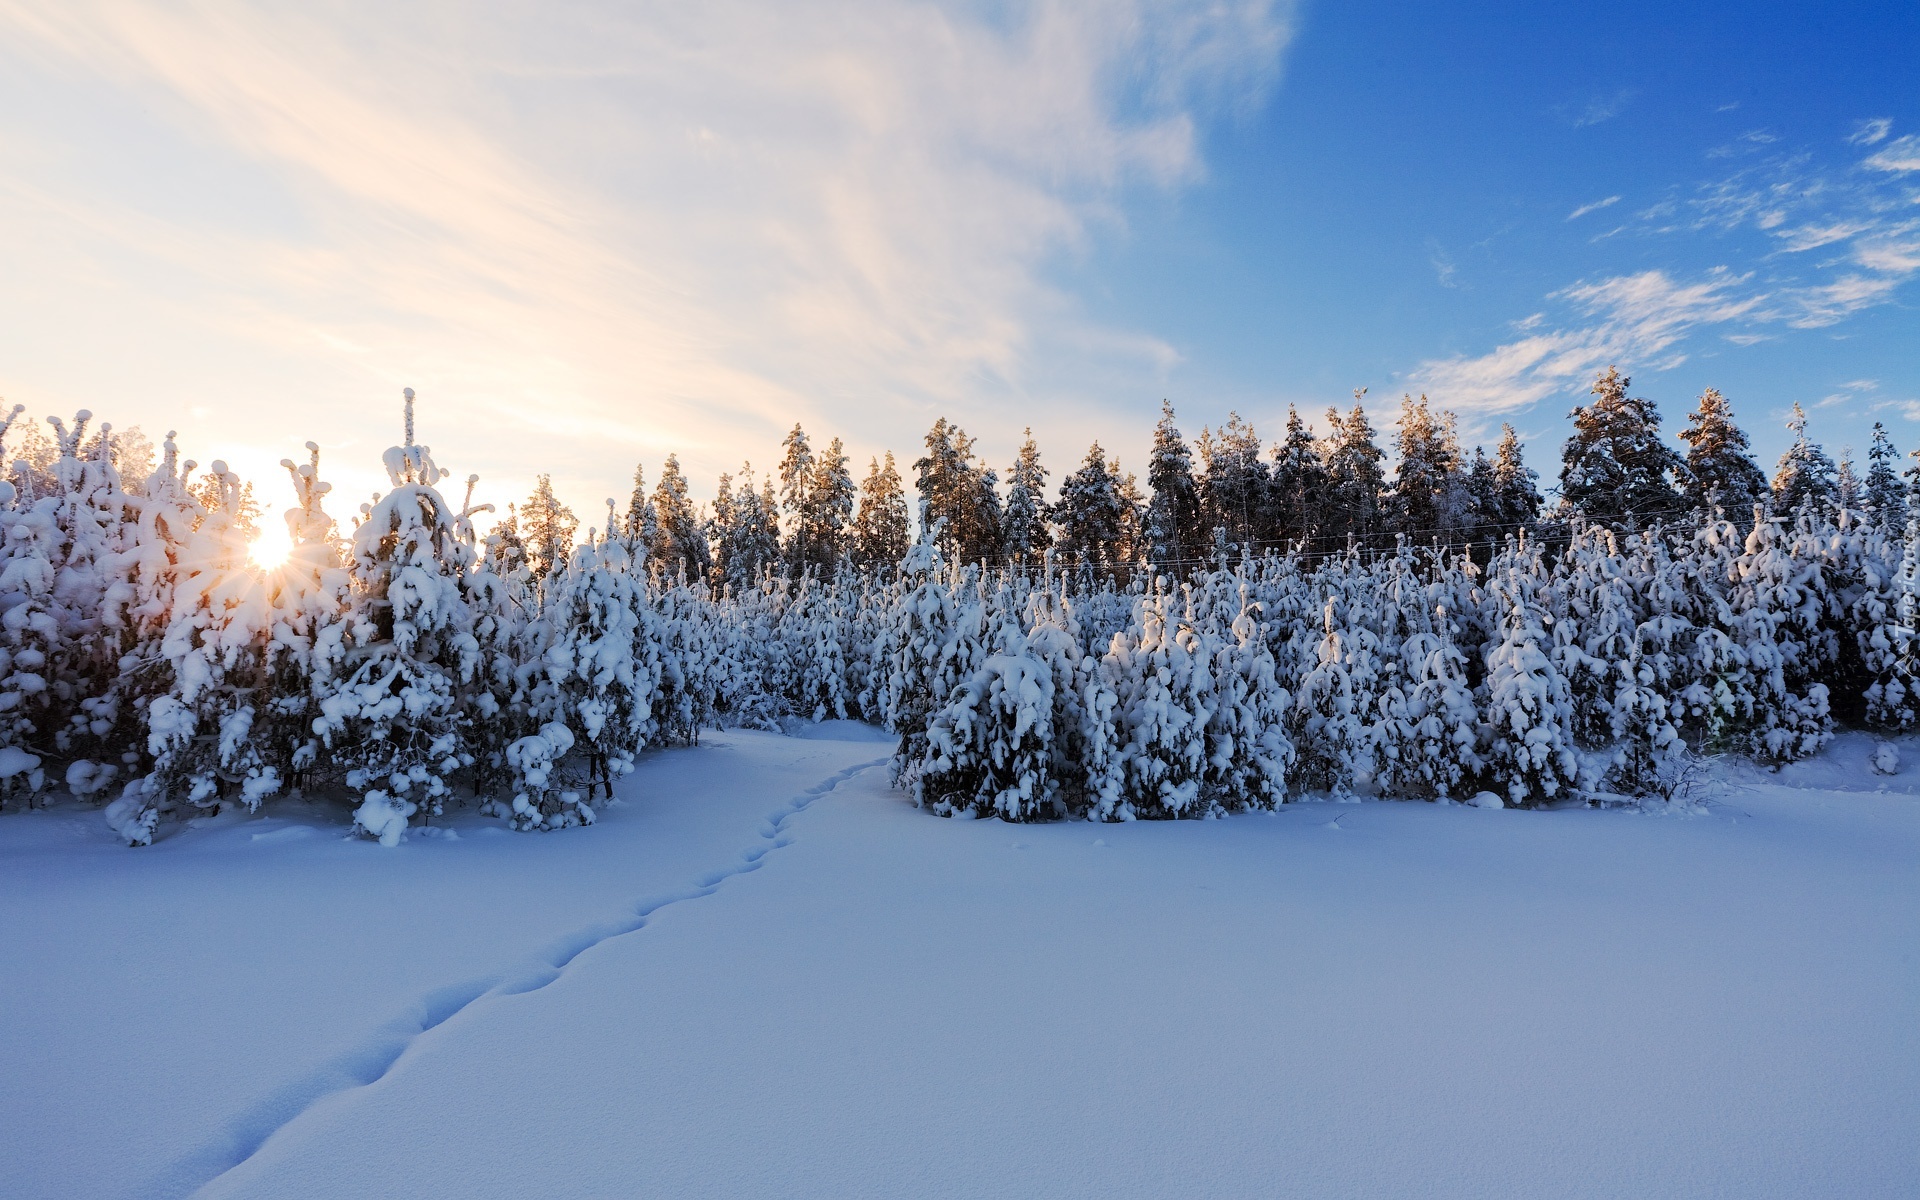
(1900, 155)
(604, 230)
(1867, 133)
(1444, 268)
(1637, 318)
(1596, 206)
(1597, 109)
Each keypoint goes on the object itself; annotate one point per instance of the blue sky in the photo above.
(597, 233)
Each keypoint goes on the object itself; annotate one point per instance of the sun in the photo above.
(270, 549)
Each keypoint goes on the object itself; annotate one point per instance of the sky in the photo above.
(592, 234)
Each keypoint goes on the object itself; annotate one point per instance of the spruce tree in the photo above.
(1356, 482)
(880, 529)
(1615, 470)
(680, 541)
(1806, 474)
(796, 489)
(641, 528)
(1089, 511)
(1721, 474)
(1516, 499)
(546, 529)
(1233, 483)
(1429, 481)
(1297, 492)
(1175, 533)
(1885, 495)
(1027, 536)
(827, 510)
(957, 496)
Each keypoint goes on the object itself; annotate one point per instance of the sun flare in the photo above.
(271, 549)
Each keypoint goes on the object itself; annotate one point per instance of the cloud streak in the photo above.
(605, 231)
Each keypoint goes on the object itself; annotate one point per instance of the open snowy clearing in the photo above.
(765, 973)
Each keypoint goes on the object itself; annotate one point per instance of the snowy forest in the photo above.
(1256, 625)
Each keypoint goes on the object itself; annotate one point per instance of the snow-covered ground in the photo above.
(765, 974)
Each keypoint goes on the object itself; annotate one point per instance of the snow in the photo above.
(764, 972)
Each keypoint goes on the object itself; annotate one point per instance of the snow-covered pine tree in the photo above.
(1088, 513)
(1027, 536)
(827, 512)
(935, 646)
(1176, 538)
(1805, 475)
(1441, 757)
(395, 723)
(1356, 481)
(1249, 755)
(1892, 647)
(547, 529)
(1885, 495)
(1165, 701)
(216, 656)
(958, 496)
(1297, 487)
(1233, 484)
(1530, 756)
(1615, 470)
(880, 529)
(599, 691)
(681, 541)
(990, 749)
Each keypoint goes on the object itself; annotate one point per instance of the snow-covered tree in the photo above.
(547, 528)
(1806, 472)
(880, 529)
(1027, 536)
(1615, 470)
(1175, 536)
(1721, 475)
(1530, 756)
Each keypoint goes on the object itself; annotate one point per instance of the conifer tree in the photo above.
(1297, 492)
(1175, 534)
(641, 528)
(681, 543)
(958, 496)
(1234, 483)
(1089, 512)
(1806, 475)
(827, 510)
(1615, 470)
(1356, 481)
(1027, 536)
(1721, 474)
(880, 529)
(546, 529)
(1849, 490)
(1885, 496)
(745, 531)
(1429, 485)
(1515, 498)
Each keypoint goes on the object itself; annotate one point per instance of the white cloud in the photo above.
(1900, 155)
(1808, 237)
(1867, 133)
(1596, 206)
(598, 230)
(1629, 319)
(1599, 108)
(1829, 304)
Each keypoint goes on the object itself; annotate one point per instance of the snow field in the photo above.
(1373, 999)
